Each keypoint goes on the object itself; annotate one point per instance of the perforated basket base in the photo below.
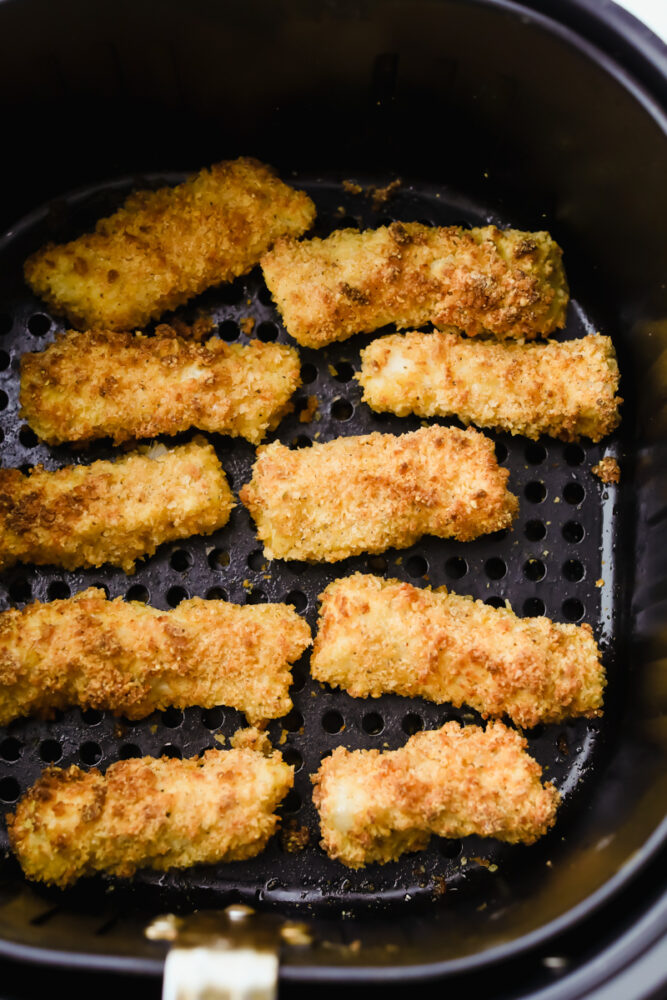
(556, 560)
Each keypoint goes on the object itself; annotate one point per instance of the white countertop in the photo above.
(651, 12)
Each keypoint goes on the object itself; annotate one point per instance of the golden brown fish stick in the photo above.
(365, 494)
(132, 659)
(111, 512)
(98, 384)
(486, 280)
(163, 247)
(566, 390)
(148, 813)
(377, 636)
(451, 782)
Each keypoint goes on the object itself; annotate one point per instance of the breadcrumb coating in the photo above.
(377, 636)
(131, 659)
(365, 494)
(111, 512)
(607, 470)
(163, 247)
(452, 782)
(148, 813)
(566, 390)
(99, 384)
(487, 280)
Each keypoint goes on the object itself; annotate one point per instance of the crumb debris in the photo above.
(351, 187)
(294, 837)
(247, 324)
(380, 195)
(309, 412)
(607, 470)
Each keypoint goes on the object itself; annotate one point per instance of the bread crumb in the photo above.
(608, 470)
(247, 324)
(309, 411)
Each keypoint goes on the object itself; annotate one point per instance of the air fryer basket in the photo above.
(486, 116)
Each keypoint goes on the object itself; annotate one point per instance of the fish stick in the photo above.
(131, 659)
(566, 390)
(378, 636)
(99, 384)
(507, 283)
(153, 813)
(365, 494)
(452, 782)
(111, 512)
(163, 247)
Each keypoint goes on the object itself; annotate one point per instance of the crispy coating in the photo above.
(131, 659)
(163, 247)
(151, 813)
(486, 280)
(111, 512)
(608, 470)
(377, 636)
(365, 494)
(566, 390)
(452, 782)
(99, 384)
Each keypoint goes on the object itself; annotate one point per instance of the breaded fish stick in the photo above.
(365, 494)
(163, 247)
(132, 659)
(111, 512)
(486, 280)
(377, 636)
(566, 390)
(148, 813)
(98, 384)
(451, 782)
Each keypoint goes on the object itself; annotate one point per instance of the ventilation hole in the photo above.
(218, 559)
(267, 332)
(39, 324)
(293, 722)
(341, 409)
(128, 751)
(495, 568)
(292, 802)
(302, 441)
(264, 296)
(257, 560)
(212, 718)
(91, 716)
(573, 531)
(256, 596)
(172, 718)
(343, 371)
(534, 607)
(2, 435)
(297, 599)
(58, 590)
(228, 330)
(495, 602)
(170, 750)
(180, 560)
(332, 721)
(292, 756)
(4, 360)
(574, 454)
(20, 591)
(535, 453)
(232, 294)
(308, 373)
(378, 564)
(535, 492)
(10, 749)
(501, 451)
(534, 569)
(27, 437)
(412, 724)
(4, 399)
(9, 789)
(90, 753)
(574, 493)
(573, 570)
(372, 723)
(573, 609)
(138, 593)
(456, 567)
(535, 531)
(416, 566)
(175, 595)
(216, 594)
(5, 324)
(450, 848)
(50, 751)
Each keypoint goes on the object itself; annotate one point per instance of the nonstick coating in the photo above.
(557, 560)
